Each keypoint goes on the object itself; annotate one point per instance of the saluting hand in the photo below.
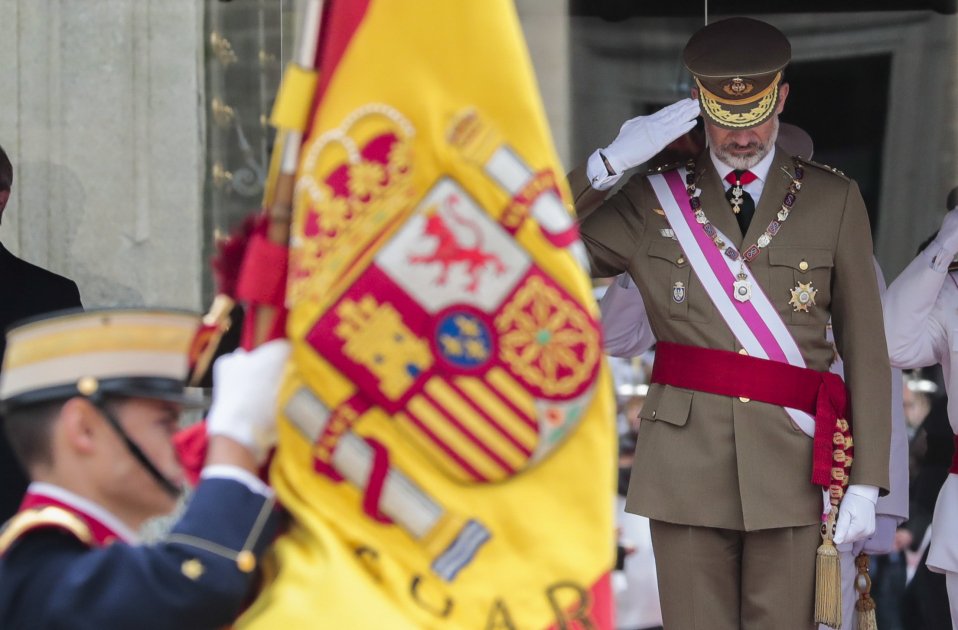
(948, 234)
(641, 138)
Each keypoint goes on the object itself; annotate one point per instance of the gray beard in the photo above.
(745, 162)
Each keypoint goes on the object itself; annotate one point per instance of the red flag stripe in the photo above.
(491, 421)
(449, 452)
(469, 435)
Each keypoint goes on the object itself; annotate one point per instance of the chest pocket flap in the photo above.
(794, 257)
(667, 404)
(669, 250)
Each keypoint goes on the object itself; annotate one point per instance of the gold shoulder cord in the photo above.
(49, 516)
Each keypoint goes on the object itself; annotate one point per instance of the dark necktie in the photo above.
(737, 197)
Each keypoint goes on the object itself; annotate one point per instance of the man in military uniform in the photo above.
(92, 401)
(741, 257)
(627, 333)
(920, 317)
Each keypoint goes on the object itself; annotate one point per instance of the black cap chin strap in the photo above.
(171, 488)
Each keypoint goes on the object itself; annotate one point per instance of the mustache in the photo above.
(754, 146)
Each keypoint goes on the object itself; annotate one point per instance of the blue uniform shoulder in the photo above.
(31, 565)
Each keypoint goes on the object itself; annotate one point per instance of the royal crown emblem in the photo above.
(356, 181)
(738, 87)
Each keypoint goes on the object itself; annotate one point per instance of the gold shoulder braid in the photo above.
(670, 166)
(827, 168)
(49, 516)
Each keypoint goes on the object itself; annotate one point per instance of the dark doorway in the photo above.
(843, 105)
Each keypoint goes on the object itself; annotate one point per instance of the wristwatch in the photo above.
(608, 167)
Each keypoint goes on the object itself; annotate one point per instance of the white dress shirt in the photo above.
(760, 171)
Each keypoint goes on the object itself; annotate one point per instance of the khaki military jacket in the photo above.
(716, 461)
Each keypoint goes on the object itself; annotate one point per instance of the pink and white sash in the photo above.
(756, 324)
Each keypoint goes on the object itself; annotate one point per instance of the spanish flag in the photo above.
(446, 437)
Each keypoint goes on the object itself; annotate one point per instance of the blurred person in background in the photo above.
(26, 290)
(921, 327)
(634, 582)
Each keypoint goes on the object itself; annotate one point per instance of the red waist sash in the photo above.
(820, 394)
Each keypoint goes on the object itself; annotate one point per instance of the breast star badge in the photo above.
(803, 296)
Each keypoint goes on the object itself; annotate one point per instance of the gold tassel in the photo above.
(865, 604)
(828, 577)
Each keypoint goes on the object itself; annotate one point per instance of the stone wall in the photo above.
(545, 24)
(103, 122)
(105, 117)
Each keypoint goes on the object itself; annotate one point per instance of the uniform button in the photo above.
(680, 260)
(245, 561)
(744, 399)
(803, 266)
(743, 351)
(192, 569)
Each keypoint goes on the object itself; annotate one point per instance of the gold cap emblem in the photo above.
(738, 87)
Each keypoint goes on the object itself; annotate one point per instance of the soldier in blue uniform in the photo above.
(92, 401)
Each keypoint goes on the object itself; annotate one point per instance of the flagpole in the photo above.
(289, 141)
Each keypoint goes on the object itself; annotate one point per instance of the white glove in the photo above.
(641, 138)
(245, 388)
(856, 514)
(948, 235)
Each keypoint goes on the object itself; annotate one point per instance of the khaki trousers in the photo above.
(722, 579)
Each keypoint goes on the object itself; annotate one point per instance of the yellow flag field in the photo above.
(446, 448)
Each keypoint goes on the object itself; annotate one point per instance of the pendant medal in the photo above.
(742, 288)
(737, 191)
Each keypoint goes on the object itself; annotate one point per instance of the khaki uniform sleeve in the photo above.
(610, 229)
(860, 338)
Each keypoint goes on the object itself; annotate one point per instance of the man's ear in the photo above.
(80, 424)
(4, 198)
(695, 93)
(782, 95)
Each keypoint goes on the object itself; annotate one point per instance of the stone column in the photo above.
(545, 24)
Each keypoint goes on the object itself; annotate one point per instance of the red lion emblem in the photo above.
(450, 251)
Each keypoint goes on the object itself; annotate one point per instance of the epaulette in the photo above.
(824, 167)
(49, 516)
(666, 167)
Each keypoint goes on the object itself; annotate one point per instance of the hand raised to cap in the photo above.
(642, 137)
(948, 234)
